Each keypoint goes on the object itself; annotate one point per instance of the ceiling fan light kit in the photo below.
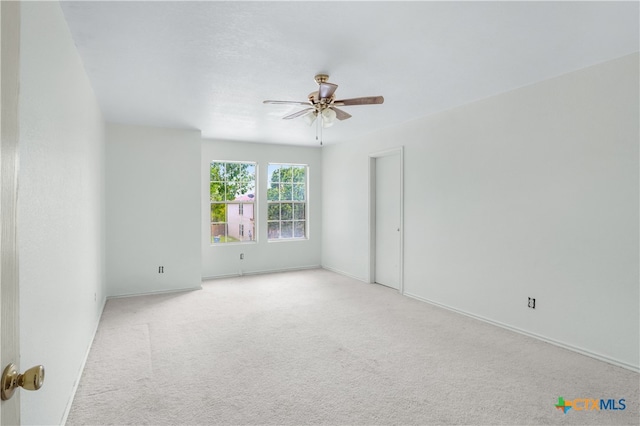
(310, 117)
(328, 117)
(323, 103)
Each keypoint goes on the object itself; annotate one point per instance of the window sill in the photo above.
(235, 243)
(287, 240)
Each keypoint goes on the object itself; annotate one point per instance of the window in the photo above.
(287, 201)
(232, 193)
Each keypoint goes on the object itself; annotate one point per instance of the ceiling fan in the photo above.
(323, 103)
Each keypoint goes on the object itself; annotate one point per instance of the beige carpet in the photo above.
(314, 347)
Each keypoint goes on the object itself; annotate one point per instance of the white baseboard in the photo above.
(149, 293)
(67, 410)
(573, 348)
(338, 271)
(260, 272)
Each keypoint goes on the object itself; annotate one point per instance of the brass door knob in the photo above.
(32, 379)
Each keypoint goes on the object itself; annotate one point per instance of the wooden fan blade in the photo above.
(368, 100)
(327, 90)
(298, 114)
(287, 102)
(340, 114)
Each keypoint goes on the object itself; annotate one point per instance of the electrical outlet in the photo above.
(532, 303)
(241, 256)
(161, 269)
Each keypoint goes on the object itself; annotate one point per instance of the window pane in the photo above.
(250, 173)
(273, 193)
(218, 213)
(298, 211)
(298, 192)
(286, 230)
(274, 211)
(238, 223)
(273, 230)
(285, 174)
(232, 211)
(299, 174)
(217, 171)
(228, 192)
(273, 172)
(286, 211)
(216, 191)
(219, 233)
(298, 229)
(285, 192)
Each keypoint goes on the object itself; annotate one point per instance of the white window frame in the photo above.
(228, 226)
(280, 202)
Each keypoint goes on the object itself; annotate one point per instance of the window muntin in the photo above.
(287, 201)
(232, 187)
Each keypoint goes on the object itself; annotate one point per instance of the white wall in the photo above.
(261, 256)
(152, 209)
(529, 193)
(60, 219)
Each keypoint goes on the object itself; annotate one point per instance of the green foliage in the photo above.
(218, 212)
(287, 183)
(298, 211)
(273, 212)
(286, 211)
(231, 180)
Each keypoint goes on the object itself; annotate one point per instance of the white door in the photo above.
(387, 220)
(9, 290)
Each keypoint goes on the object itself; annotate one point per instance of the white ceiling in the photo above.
(209, 65)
